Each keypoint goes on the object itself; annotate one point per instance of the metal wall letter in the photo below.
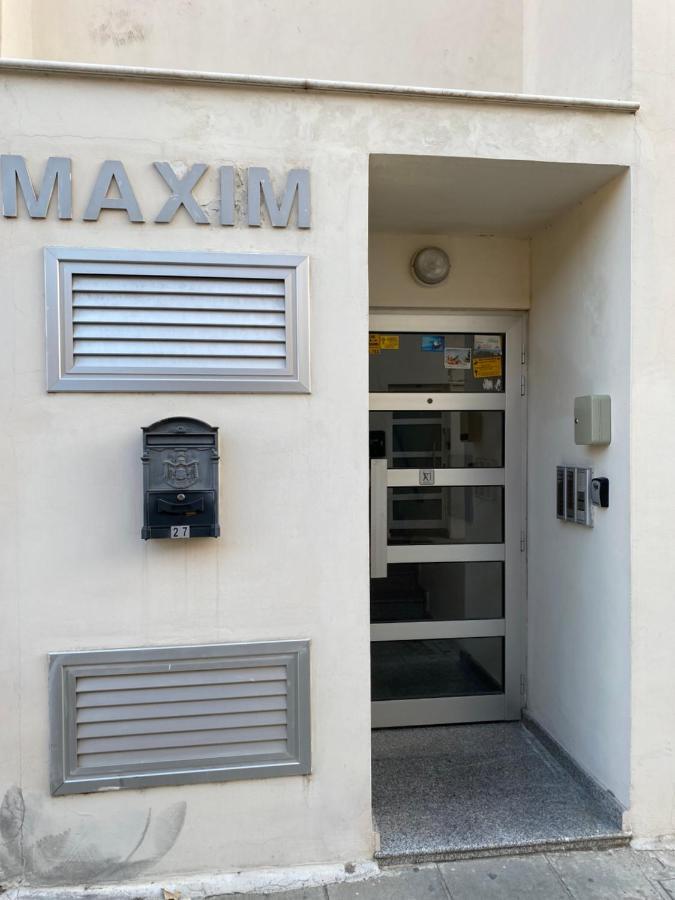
(14, 175)
(260, 186)
(112, 170)
(181, 195)
(227, 195)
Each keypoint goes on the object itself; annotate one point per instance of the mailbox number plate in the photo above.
(180, 531)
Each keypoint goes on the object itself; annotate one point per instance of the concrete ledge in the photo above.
(199, 887)
(224, 79)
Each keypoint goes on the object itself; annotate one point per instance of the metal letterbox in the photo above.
(180, 479)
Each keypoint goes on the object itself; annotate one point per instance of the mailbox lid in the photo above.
(197, 508)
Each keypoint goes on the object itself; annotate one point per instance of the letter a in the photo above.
(111, 171)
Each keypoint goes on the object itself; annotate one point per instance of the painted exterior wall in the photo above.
(464, 43)
(77, 574)
(652, 434)
(579, 579)
(486, 272)
(292, 562)
(559, 47)
(578, 49)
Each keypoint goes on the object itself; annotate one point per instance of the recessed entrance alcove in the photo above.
(499, 633)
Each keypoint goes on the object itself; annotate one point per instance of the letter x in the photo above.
(181, 193)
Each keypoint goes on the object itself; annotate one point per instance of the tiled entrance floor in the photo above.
(450, 791)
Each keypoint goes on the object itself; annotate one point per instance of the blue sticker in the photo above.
(434, 343)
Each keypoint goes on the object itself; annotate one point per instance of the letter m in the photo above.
(14, 175)
(260, 188)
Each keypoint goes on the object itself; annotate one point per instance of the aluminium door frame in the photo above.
(513, 476)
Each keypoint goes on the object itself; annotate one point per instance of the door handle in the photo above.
(378, 518)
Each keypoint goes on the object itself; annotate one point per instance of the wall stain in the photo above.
(119, 30)
(116, 847)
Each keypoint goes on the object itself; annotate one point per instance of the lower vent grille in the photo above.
(171, 715)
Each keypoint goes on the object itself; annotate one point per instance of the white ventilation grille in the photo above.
(143, 717)
(139, 320)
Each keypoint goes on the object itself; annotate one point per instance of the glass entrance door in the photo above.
(447, 420)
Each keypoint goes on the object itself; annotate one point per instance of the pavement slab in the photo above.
(408, 883)
(504, 878)
(610, 875)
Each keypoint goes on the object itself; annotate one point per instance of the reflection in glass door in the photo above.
(447, 420)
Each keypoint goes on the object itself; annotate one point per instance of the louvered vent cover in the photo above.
(120, 320)
(173, 715)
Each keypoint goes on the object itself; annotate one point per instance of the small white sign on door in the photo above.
(426, 476)
(180, 531)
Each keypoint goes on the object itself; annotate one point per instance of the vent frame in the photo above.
(62, 264)
(65, 668)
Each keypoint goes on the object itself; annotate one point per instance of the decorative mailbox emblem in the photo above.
(181, 469)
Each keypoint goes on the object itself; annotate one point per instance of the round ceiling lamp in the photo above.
(431, 265)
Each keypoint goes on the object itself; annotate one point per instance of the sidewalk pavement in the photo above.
(577, 875)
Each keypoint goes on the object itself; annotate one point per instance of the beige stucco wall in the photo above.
(486, 272)
(563, 47)
(577, 49)
(292, 561)
(462, 43)
(652, 431)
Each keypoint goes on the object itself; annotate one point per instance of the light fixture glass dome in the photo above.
(430, 265)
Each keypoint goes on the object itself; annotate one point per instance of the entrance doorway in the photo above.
(447, 447)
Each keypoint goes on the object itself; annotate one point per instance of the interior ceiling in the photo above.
(435, 194)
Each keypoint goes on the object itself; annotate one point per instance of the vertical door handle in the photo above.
(378, 518)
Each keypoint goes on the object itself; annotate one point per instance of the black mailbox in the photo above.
(180, 479)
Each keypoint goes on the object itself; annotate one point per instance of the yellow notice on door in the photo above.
(389, 342)
(373, 343)
(487, 367)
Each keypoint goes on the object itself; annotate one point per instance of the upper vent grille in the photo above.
(137, 320)
(134, 718)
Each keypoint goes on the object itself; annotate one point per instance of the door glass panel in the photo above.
(440, 439)
(446, 515)
(450, 667)
(432, 363)
(438, 592)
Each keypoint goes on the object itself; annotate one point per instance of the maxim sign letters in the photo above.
(112, 190)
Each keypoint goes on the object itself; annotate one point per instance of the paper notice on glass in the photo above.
(487, 367)
(457, 357)
(433, 343)
(488, 344)
(373, 343)
(389, 342)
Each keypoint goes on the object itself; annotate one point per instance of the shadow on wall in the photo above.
(32, 848)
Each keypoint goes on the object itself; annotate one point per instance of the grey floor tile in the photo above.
(409, 883)
(609, 875)
(475, 786)
(505, 878)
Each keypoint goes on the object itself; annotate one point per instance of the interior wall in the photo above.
(578, 581)
(487, 272)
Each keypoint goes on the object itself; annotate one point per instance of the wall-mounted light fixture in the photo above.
(430, 265)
